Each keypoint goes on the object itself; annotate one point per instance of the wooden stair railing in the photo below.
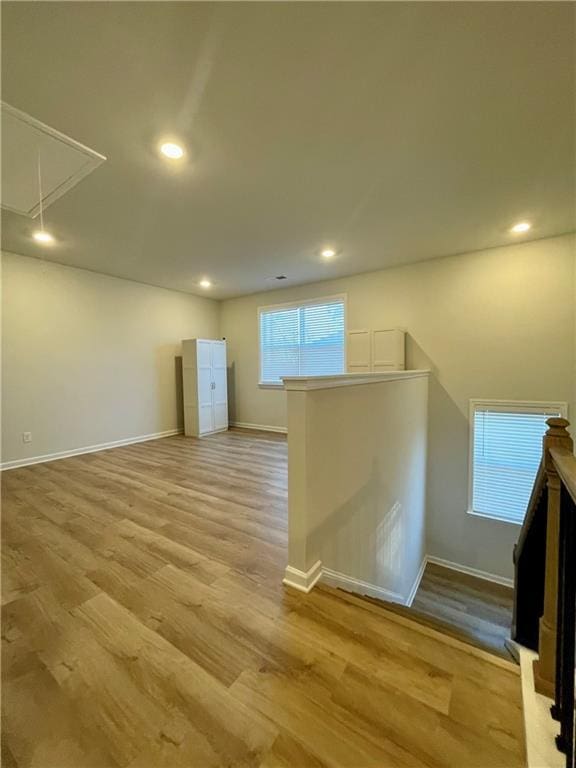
(529, 567)
(556, 437)
(551, 522)
(563, 710)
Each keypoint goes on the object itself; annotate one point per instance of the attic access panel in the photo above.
(64, 162)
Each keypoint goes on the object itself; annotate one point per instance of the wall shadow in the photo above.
(416, 357)
(451, 533)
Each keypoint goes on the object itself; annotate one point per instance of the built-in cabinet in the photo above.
(376, 351)
(205, 388)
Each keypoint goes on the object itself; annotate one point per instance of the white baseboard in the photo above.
(350, 584)
(306, 581)
(417, 580)
(471, 571)
(303, 581)
(259, 427)
(88, 449)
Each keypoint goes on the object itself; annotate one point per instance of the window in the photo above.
(505, 452)
(304, 339)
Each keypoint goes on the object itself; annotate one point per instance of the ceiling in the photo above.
(394, 131)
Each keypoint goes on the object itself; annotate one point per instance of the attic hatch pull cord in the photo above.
(40, 193)
(43, 261)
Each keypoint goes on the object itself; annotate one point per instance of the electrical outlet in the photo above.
(26, 437)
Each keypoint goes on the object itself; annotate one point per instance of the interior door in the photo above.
(220, 390)
(205, 391)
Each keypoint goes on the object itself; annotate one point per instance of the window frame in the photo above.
(343, 297)
(506, 406)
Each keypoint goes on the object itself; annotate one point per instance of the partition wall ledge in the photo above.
(305, 383)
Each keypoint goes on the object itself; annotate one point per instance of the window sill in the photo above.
(263, 385)
(493, 517)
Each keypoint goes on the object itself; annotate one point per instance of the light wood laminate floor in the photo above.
(145, 625)
(478, 610)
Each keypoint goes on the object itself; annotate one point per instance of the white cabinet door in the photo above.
(358, 350)
(205, 390)
(388, 350)
(220, 389)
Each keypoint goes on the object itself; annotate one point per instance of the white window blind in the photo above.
(302, 340)
(506, 452)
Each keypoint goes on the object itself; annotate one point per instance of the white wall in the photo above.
(357, 484)
(491, 324)
(90, 359)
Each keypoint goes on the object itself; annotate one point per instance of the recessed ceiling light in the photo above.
(328, 253)
(522, 226)
(41, 236)
(205, 283)
(171, 150)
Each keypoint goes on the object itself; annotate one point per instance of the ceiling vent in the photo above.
(64, 162)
